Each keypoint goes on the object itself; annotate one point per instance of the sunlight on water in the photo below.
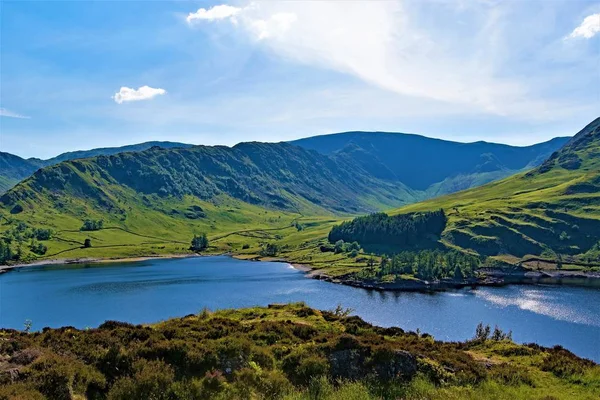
(540, 302)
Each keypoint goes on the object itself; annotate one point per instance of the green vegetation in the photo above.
(552, 210)
(14, 168)
(281, 352)
(91, 225)
(427, 265)
(276, 200)
(199, 242)
(406, 231)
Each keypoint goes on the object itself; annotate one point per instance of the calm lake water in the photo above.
(149, 291)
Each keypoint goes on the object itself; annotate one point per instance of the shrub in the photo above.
(512, 375)
(563, 363)
(152, 380)
(92, 225)
(301, 367)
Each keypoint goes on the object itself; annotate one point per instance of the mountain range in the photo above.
(152, 201)
(391, 157)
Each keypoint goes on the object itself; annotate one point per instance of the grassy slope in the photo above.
(281, 352)
(526, 213)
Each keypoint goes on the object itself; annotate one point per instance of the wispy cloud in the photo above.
(142, 93)
(588, 28)
(386, 44)
(7, 113)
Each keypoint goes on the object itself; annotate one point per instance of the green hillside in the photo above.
(13, 168)
(153, 202)
(286, 352)
(553, 208)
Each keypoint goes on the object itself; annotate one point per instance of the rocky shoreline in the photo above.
(488, 278)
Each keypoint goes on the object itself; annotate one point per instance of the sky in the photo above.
(82, 74)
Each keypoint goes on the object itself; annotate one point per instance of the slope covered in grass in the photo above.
(281, 352)
(13, 168)
(553, 208)
(154, 201)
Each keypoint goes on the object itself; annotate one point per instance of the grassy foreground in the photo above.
(281, 352)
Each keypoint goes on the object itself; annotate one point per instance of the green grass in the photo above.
(527, 213)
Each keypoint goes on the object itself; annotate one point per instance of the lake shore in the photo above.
(488, 278)
(92, 260)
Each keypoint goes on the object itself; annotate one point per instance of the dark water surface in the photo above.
(149, 291)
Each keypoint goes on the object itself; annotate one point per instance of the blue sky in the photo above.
(78, 75)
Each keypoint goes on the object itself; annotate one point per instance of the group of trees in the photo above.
(269, 250)
(484, 332)
(399, 231)
(428, 265)
(92, 225)
(22, 235)
(199, 242)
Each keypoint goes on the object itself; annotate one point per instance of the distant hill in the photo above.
(431, 166)
(554, 208)
(13, 168)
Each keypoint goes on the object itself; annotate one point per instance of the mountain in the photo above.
(554, 208)
(443, 166)
(13, 168)
(156, 200)
(279, 176)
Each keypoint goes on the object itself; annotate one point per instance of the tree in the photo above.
(458, 274)
(339, 246)
(482, 332)
(5, 252)
(91, 225)
(87, 243)
(269, 250)
(199, 242)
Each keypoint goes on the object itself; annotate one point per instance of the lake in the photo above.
(149, 291)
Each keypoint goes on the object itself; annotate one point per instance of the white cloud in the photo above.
(7, 113)
(588, 28)
(223, 11)
(276, 25)
(456, 59)
(143, 93)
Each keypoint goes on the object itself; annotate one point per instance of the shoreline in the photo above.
(92, 260)
(489, 278)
